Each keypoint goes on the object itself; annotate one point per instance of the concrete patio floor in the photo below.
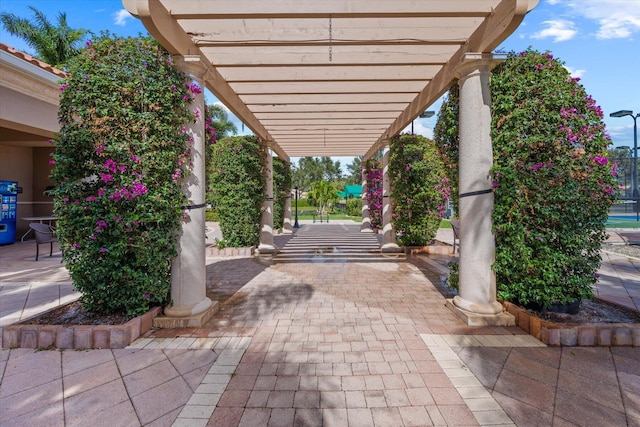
(314, 341)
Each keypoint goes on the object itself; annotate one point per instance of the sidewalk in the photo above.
(318, 343)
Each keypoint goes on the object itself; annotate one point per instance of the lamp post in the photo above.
(295, 223)
(634, 170)
(424, 115)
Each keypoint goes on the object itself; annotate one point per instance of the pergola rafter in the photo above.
(345, 75)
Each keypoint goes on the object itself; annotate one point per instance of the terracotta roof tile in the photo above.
(32, 60)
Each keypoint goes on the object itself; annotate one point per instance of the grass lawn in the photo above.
(622, 223)
(445, 223)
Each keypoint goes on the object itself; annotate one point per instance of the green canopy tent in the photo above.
(351, 192)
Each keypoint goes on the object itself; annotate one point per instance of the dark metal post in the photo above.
(295, 224)
(634, 177)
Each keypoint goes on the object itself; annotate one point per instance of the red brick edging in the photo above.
(78, 337)
(573, 335)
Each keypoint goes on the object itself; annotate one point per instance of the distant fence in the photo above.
(626, 168)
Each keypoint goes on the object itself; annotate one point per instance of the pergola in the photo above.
(340, 78)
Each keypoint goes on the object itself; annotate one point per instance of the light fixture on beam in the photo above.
(423, 115)
(191, 58)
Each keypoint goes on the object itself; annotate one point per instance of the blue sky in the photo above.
(598, 40)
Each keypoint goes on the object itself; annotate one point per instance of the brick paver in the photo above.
(317, 341)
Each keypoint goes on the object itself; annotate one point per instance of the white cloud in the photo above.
(419, 129)
(121, 16)
(560, 30)
(575, 72)
(224, 107)
(615, 19)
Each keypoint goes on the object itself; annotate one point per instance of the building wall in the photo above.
(43, 204)
(16, 164)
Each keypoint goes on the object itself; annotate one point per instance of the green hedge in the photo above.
(237, 189)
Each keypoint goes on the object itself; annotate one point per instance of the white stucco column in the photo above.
(365, 227)
(476, 301)
(188, 273)
(388, 233)
(266, 245)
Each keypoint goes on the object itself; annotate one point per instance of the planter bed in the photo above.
(77, 337)
(571, 334)
(436, 248)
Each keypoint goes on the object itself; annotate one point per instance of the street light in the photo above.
(424, 115)
(295, 223)
(634, 170)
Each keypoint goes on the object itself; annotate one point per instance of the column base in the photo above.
(477, 319)
(266, 249)
(390, 248)
(186, 321)
(287, 231)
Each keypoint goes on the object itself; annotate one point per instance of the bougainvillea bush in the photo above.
(553, 183)
(281, 190)
(373, 176)
(238, 187)
(119, 160)
(419, 189)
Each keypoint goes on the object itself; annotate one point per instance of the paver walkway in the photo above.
(324, 343)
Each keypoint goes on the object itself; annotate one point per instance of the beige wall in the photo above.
(16, 164)
(30, 167)
(43, 204)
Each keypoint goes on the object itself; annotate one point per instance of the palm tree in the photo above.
(54, 44)
(354, 171)
(220, 121)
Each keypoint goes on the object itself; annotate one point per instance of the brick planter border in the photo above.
(440, 249)
(79, 337)
(212, 251)
(574, 335)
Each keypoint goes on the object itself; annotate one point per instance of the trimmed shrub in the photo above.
(120, 157)
(237, 185)
(354, 207)
(553, 181)
(281, 190)
(420, 189)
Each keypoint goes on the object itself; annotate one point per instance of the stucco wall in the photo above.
(16, 164)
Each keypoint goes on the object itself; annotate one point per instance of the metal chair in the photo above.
(455, 224)
(44, 234)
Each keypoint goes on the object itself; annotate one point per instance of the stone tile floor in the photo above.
(323, 343)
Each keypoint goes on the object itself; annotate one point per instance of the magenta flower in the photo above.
(195, 88)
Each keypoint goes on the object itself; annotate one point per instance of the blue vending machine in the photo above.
(8, 215)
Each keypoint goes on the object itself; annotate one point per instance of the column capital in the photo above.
(477, 61)
(192, 64)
